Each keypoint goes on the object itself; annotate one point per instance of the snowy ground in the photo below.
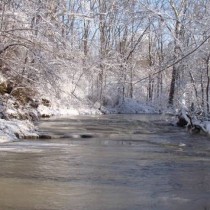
(67, 111)
(11, 130)
(130, 106)
(14, 129)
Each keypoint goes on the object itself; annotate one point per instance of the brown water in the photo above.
(132, 162)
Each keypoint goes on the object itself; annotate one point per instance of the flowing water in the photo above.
(116, 162)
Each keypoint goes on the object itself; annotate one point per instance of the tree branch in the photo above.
(11, 45)
(177, 61)
(136, 44)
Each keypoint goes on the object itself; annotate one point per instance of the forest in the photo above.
(102, 54)
(104, 104)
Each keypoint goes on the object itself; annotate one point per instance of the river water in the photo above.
(116, 162)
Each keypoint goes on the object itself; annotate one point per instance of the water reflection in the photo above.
(132, 162)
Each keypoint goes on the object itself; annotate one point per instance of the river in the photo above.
(111, 162)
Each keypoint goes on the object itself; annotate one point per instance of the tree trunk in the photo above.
(131, 83)
(102, 27)
(172, 86)
(178, 39)
(150, 89)
(207, 85)
(202, 93)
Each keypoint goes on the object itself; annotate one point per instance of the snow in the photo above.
(67, 111)
(128, 106)
(207, 127)
(13, 129)
(131, 106)
(9, 130)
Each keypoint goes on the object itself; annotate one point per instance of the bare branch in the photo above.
(12, 45)
(177, 61)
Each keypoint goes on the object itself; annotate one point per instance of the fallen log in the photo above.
(185, 121)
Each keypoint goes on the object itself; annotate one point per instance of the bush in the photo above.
(23, 95)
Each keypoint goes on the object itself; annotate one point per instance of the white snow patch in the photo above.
(67, 111)
(207, 127)
(131, 106)
(10, 129)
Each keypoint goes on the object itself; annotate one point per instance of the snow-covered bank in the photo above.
(130, 106)
(11, 130)
(207, 127)
(14, 129)
(68, 111)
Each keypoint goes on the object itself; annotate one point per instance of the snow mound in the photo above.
(67, 111)
(14, 129)
(206, 126)
(131, 106)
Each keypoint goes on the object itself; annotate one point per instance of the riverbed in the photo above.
(110, 162)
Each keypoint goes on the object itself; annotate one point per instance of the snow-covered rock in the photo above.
(206, 126)
(14, 129)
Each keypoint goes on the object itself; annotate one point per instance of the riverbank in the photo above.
(12, 130)
(13, 127)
